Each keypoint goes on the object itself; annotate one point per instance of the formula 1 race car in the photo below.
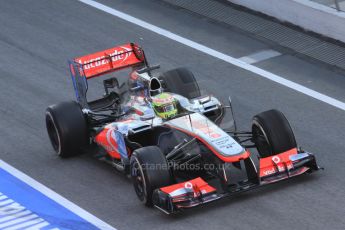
(170, 139)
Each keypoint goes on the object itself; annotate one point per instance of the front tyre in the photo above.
(272, 133)
(149, 171)
(67, 128)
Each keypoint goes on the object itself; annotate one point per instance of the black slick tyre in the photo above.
(272, 133)
(149, 171)
(180, 81)
(67, 128)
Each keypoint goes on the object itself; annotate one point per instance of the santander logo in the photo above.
(117, 55)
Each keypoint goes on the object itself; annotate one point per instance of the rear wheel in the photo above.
(149, 171)
(272, 133)
(180, 81)
(67, 128)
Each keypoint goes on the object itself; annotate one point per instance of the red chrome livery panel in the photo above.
(110, 60)
(277, 163)
(107, 140)
(197, 187)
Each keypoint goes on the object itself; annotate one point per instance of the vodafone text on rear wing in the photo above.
(112, 59)
(103, 62)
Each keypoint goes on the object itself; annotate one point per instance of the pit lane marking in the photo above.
(214, 53)
(40, 207)
(260, 56)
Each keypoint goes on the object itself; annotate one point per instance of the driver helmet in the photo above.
(165, 105)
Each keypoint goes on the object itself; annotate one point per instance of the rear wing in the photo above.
(103, 62)
(110, 60)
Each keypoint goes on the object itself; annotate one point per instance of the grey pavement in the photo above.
(36, 39)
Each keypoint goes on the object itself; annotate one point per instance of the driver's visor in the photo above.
(165, 108)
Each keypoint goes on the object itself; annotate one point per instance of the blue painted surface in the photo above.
(121, 144)
(36, 202)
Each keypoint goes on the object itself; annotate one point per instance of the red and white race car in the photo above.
(176, 144)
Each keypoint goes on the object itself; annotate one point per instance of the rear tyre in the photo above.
(272, 133)
(67, 128)
(149, 171)
(180, 81)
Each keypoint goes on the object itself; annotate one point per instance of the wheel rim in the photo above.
(261, 141)
(138, 180)
(53, 134)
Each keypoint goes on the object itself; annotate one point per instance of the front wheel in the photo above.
(149, 171)
(272, 133)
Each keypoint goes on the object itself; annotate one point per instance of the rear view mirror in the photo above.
(204, 100)
(147, 117)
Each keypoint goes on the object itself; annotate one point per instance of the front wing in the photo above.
(196, 192)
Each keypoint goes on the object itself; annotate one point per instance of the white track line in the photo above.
(56, 197)
(219, 55)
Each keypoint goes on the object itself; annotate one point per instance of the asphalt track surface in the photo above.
(36, 39)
